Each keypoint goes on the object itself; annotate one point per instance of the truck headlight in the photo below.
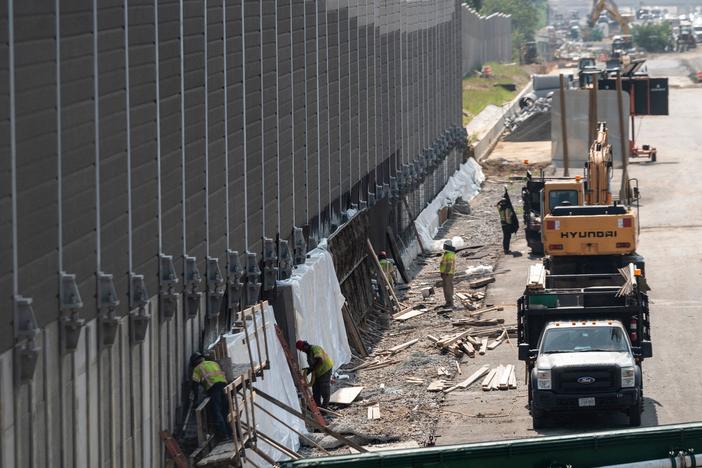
(628, 377)
(543, 379)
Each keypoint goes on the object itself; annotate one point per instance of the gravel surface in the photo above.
(408, 411)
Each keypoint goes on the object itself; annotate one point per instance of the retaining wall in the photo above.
(137, 130)
(484, 39)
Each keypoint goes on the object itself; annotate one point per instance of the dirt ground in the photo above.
(409, 412)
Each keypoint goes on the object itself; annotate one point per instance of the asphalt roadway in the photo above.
(671, 242)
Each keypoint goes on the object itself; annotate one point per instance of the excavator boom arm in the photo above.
(610, 7)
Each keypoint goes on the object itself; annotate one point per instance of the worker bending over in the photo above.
(211, 377)
(388, 267)
(320, 367)
(447, 268)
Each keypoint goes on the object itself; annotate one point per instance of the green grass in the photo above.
(479, 92)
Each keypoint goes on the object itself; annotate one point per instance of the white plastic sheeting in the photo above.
(465, 183)
(318, 301)
(277, 382)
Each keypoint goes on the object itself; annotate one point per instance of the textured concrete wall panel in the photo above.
(134, 128)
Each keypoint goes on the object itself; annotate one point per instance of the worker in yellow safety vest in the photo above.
(320, 366)
(447, 268)
(388, 267)
(210, 375)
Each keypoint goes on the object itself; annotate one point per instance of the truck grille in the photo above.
(606, 379)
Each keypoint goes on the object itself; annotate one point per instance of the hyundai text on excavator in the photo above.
(583, 320)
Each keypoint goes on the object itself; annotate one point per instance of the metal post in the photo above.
(564, 128)
(624, 190)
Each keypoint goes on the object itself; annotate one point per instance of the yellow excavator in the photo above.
(600, 235)
(598, 6)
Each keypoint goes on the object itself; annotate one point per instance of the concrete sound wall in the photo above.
(484, 39)
(135, 129)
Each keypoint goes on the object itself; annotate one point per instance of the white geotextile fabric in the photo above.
(276, 382)
(464, 183)
(318, 301)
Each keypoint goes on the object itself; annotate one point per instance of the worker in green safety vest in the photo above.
(447, 268)
(388, 267)
(210, 376)
(320, 367)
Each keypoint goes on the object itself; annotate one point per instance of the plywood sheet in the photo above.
(345, 396)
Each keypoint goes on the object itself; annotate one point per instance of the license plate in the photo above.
(586, 402)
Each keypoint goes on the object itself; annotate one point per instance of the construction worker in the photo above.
(388, 267)
(507, 221)
(447, 268)
(211, 377)
(320, 367)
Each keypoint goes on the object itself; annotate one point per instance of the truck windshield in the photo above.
(556, 197)
(583, 339)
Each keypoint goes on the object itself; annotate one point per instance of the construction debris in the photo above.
(374, 411)
(436, 385)
(408, 314)
(470, 380)
(345, 396)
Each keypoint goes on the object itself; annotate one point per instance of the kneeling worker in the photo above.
(211, 377)
(320, 366)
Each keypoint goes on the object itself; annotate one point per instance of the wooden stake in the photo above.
(291, 428)
(299, 380)
(381, 274)
(311, 421)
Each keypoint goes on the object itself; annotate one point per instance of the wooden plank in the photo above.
(352, 332)
(483, 346)
(299, 380)
(485, 384)
(512, 379)
(433, 338)
(497, 342)
(447, 342)
(504, 377)
(400, 347)
(458, 367)
(536, 276)
(345, 396)
(495, 383)
(468, 348)
(481, 282)
(470, 380)
(392, 243)
(410, 314)
(436, 385)
(374, 411)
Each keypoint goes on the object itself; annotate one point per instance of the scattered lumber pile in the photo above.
(470, 300)
(409, 313)
(474, 377)
(473, 339)
(500, 378)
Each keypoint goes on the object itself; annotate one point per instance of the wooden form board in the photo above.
(410, 314)
(536, 277)
(374, 411)
(345, 396)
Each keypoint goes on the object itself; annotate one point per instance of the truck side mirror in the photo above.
(646, 349)
(523, 351)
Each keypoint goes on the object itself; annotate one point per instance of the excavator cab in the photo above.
(596, 232)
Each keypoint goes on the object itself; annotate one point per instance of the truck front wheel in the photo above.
(635, 414)
(538, 419)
